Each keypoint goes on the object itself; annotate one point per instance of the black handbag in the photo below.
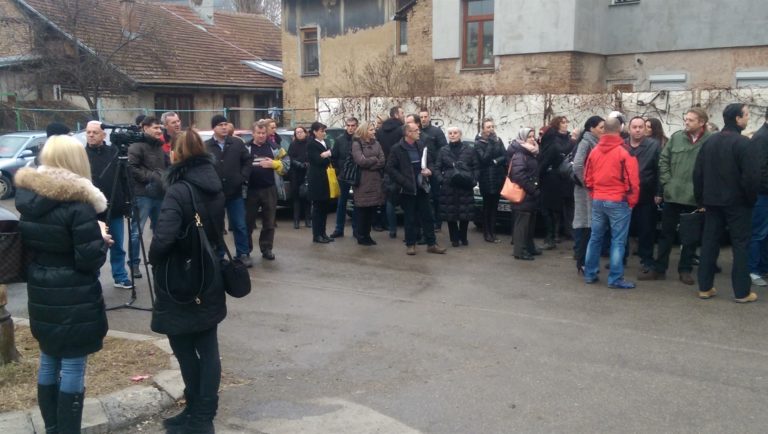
(350, 172)
(460, 178)
(237, 280)
(16, 258)
(691, 227)
(192, 268)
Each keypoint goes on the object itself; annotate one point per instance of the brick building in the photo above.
(407, 48)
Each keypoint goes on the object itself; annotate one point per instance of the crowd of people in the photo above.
(590, 184)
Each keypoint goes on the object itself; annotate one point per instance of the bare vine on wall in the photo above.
(387, 74)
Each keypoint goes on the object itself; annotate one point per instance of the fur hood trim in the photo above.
(61, 185)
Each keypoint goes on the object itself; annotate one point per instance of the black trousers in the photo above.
(198, 356)
(490, 206)
(739, 222)
(319, 217)
(644, 222)
(418, 209)
(457, 231)
(522, 235)
(670, 218)
(580, 247)
(364, 220)
(266, 199)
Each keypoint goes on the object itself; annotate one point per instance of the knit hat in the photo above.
(217, 119)
(55, 129)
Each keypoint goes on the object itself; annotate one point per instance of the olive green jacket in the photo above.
(676, 164)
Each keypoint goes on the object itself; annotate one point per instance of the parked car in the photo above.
(16, 150)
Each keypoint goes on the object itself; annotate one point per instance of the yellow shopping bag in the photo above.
(333, 183)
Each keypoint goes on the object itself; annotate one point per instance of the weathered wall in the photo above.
(359, 61)
(512, 112)
(15, 36)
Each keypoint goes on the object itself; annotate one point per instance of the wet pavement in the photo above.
(342, 338)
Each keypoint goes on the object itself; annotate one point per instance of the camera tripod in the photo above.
(121, 179)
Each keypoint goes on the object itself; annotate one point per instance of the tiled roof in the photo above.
(177, 47)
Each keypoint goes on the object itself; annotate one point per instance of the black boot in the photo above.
(70, 412)
(200, 420)
(179, 420)
(47, 398)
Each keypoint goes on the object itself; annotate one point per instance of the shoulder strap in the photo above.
(198, 219)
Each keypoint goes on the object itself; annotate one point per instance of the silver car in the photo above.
(16, 151)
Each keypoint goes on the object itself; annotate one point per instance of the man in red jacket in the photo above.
(611, 175)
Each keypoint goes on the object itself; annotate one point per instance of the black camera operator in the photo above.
(103, 161)
(147, 162)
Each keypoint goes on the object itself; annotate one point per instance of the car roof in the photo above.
(26, 134)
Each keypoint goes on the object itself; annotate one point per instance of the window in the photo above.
(752, 79)
(232, 115)
(310, 56)
(402, 37)
(624, 2)
(668, 81)
(181, 104)
(261, 104)
(478, 34)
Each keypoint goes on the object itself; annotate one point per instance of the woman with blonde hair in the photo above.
(368, 194)
(58, 206)
(190, 316)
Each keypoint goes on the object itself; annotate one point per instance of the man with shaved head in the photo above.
(103, 160)
(611, 176)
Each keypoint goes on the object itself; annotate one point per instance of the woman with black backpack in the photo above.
(190, 300)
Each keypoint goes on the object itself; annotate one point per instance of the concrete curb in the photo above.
(117, 410)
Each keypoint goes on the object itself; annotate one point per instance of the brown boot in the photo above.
(687, 278)
(651, 275)
(410, 250)
(435, 248)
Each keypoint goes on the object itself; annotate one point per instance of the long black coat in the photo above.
(58, 223)
(297, 152)
(400, 169)
(317, 173)
(455, 203)
(554, 147)
(524, 171)
(176, 214)
(233, 164)
(492, 164)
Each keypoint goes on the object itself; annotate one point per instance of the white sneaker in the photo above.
(757, 280)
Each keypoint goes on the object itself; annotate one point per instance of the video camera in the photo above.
(123, 135)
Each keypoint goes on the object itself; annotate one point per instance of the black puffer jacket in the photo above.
(525, 172)
(58, 223)
(456, 203)
(492, 163)
(176, 214)
(233, 164)
(148, 161)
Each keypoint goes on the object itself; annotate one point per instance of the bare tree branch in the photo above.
(272, 9)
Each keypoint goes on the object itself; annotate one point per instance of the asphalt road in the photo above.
(342, 338)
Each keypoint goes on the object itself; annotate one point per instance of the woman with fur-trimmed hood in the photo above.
(58, 206)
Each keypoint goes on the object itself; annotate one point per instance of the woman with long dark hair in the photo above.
(594, 127)
(191, 325)
(654, 129)
(319, 157)
(492, 168)
(58, 206)
(297, 152)
(555, 144)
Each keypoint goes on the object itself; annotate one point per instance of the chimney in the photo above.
(204, 9)
(128, 21)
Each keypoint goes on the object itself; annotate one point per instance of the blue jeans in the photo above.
(616, 216)
(341, 209)
(148, 209)
(391, 217)
(69, 373)
(759, 234)
(117, 252)
(236, 215)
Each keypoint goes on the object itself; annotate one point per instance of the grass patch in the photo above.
(108, 371)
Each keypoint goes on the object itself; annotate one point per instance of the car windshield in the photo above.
(9, 145)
